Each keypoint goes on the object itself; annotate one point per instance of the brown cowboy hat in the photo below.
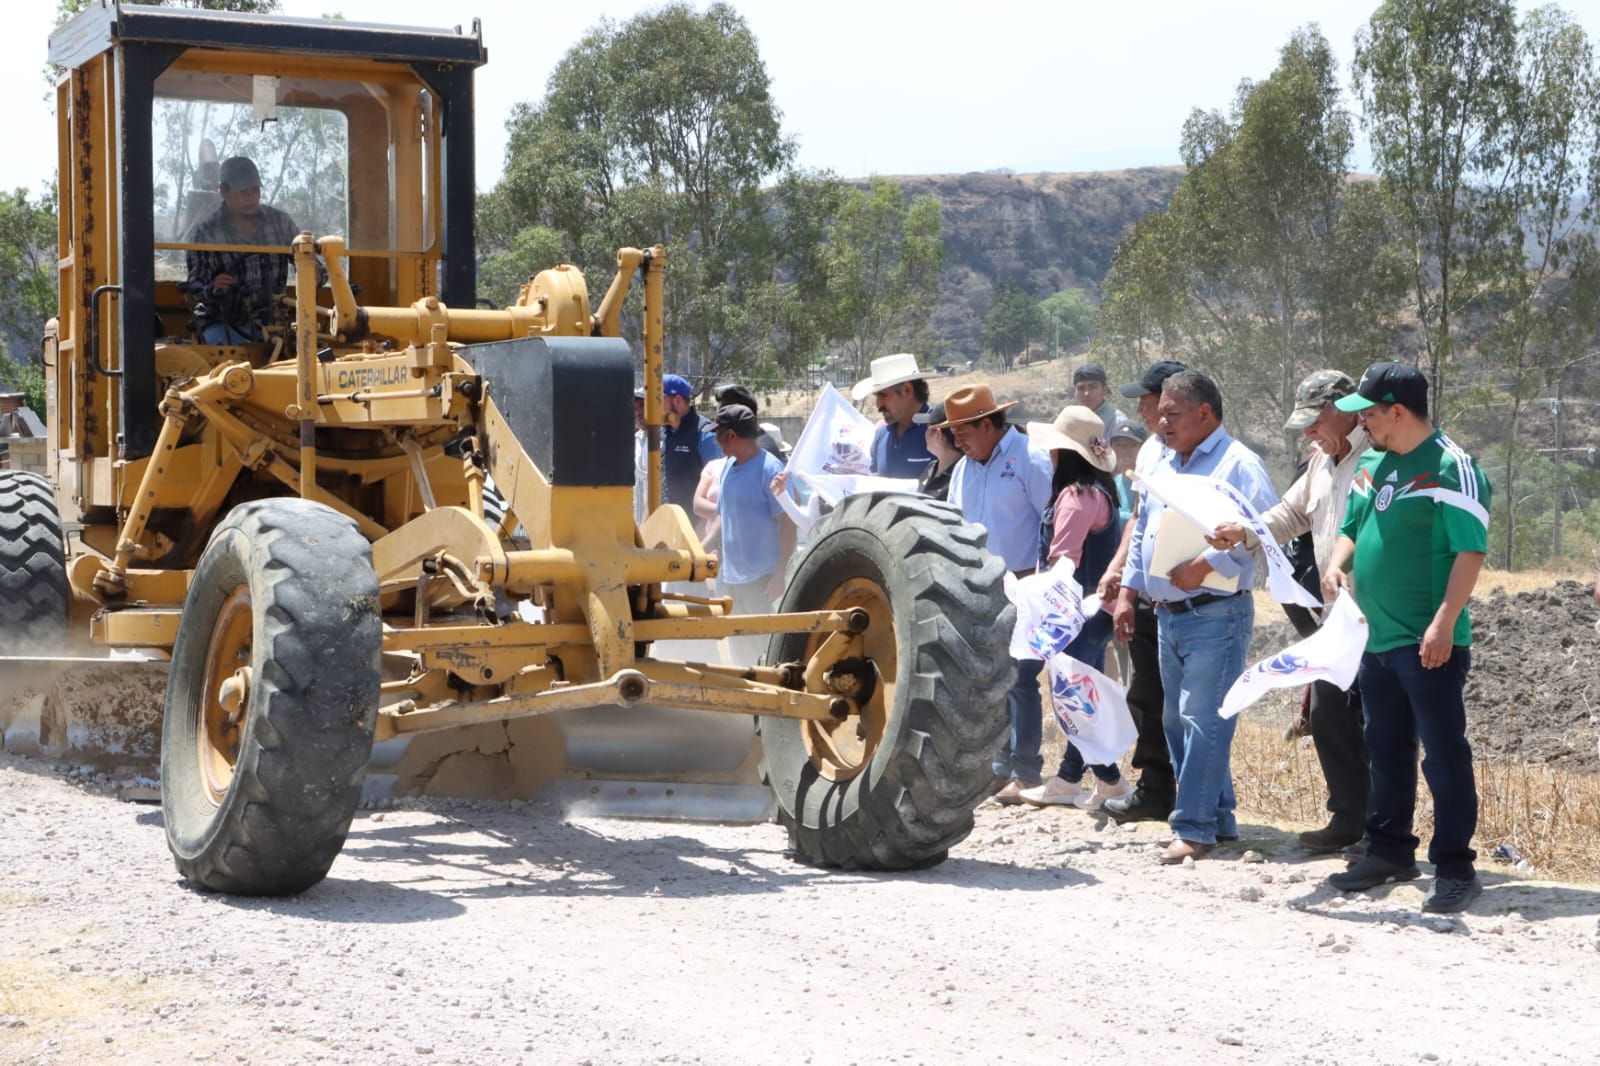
(970, 403)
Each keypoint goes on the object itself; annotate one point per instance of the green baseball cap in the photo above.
(1388, 382)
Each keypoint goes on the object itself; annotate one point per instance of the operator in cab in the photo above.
(237, 288)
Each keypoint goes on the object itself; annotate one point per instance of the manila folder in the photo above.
(1177, 541)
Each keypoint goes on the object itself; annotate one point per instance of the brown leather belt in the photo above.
(1180, 606)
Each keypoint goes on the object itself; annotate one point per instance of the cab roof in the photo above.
(101, 25)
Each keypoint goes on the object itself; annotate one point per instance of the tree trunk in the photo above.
(1511, 484)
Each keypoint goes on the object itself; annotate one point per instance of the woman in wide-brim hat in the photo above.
(1084, 523)
(1080, 431)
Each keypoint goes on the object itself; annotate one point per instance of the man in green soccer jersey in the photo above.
(1417, 527)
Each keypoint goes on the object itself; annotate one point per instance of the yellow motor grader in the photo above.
(384, 512)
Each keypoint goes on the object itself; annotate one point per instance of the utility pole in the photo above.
(1555, 519)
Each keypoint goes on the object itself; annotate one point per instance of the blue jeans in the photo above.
(225, 333)
(1202, 654)
(1019, 758)
(1405, 702)
(1089, 647)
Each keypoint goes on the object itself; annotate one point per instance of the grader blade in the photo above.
(639, 762)
(92, 710)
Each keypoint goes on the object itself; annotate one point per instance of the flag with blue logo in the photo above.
(1091, 709)
(1332, 653)
(1209, 502)
(833, 459)
(1050, 610)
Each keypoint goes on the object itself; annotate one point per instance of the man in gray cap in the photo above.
(1316, 503)
(237, 287)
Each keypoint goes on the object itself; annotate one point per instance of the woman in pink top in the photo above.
(1084, 523)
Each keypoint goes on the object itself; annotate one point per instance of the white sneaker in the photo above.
(1054, 792)
(1092, 801)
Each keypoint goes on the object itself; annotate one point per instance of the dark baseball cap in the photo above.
(1152, 379)
(1125, 428)
(1089, 372)
(1388, 382)
(238, 172)
(729, 392)
(739, 418)
(676, 385)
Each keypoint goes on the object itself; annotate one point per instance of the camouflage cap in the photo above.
(1320, 388)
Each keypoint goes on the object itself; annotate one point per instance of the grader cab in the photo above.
(387, 515)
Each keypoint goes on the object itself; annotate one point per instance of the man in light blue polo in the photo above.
(1002, 482)
(1203, 634)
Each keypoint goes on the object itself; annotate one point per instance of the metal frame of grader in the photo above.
(228, 499)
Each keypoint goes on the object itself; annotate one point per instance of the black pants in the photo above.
(1406, 703)
(1146, 699)
(1342, 751)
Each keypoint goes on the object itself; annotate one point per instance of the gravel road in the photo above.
(471, 932)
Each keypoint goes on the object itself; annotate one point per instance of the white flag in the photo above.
(1091, 709)
(1209, 502)
(1050, 610)
(833, 458)
(1332, 653)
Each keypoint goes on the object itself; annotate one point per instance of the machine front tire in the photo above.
(895, 787)
(33, 564)
(272, 700)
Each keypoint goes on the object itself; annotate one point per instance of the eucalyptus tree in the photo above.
(1268, 262)
(1544, 321)
(664, 129)
(883, 258)
(1438, 81)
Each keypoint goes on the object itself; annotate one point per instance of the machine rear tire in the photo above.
(895, 788)
(33, 564)
(284, 605)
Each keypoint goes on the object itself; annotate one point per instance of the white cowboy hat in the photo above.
(887, 370)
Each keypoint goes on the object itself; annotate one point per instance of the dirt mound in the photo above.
(1533, 692)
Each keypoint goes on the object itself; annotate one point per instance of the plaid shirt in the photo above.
(257, 276)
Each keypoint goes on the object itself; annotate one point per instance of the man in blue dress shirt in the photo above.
(1002, 482)
(1203, 634)
(900, 390)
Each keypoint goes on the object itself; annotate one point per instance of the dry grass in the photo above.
(48, 996)
(1513, 581)
(1547, 815)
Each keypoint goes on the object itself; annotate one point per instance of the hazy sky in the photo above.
(869, 87)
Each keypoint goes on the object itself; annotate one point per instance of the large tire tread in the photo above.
(33, 564)
(313, 704)
(914, 800)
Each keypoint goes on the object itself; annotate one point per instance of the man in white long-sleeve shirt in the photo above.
(1315, 503)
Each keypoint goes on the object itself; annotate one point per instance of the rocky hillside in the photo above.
(1042, 232)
